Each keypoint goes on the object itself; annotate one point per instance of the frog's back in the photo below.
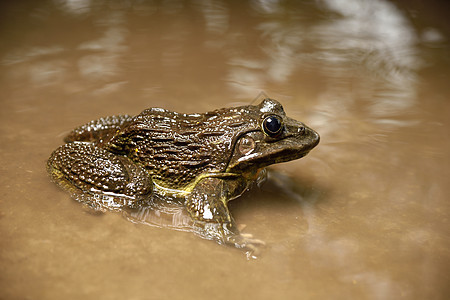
(176, 148)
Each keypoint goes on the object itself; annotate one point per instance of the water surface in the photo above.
(364, 216)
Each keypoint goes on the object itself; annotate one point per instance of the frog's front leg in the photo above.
(207, 205)
(97, 177)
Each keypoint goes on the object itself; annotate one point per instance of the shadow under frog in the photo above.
(179, 170)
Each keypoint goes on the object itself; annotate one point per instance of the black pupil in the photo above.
(272, 125)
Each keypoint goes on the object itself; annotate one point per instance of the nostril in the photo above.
(301, 129)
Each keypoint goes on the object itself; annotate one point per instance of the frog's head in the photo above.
(274, 138)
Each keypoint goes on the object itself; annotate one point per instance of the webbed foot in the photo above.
(248, 243)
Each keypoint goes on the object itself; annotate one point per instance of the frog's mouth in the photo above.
(290, 146)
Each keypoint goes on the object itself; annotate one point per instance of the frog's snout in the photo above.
(315, 137)
(307, 137)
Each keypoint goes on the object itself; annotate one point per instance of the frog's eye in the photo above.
(272, 126)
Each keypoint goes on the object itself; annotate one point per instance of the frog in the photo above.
(201, 161)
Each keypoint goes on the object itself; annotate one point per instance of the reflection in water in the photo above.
(76, 7)
(23, 55)
(376, 35)
(42, 65)
(373, 34)
(371, 218)
(162, 214)
(216, 15)
(110, 46)
(367, 52)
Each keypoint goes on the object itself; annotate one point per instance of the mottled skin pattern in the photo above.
(203, 159)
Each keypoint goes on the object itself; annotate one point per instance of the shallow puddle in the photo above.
(364, 216)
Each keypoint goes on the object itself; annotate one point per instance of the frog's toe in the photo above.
(92, 207)
(253, 252)
(241, 227)
(249, 238)
(246, 242)
(253, 247)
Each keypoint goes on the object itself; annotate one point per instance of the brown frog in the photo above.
(200, 161)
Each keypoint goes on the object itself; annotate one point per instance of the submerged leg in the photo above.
(97, 177)
(207, 205)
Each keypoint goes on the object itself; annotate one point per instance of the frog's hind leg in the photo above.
(97, 177)
(98, 131)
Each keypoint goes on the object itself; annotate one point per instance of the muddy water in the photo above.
(364, 216)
